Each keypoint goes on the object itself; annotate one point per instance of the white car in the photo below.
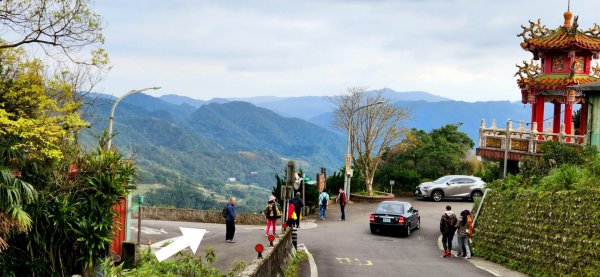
(451, 186)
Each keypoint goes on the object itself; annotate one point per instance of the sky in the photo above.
(460, 49)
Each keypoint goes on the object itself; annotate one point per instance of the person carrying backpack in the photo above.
(291, 215)
(323, 203)
(298, 208)
(272, 213)
(342, 200)
(448, 227)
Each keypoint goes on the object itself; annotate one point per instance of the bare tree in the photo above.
(64, 25)
(68, 31)
(374, 128)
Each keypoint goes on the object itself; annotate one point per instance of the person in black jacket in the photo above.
(230, 221)
(447, 227)
(297, 201)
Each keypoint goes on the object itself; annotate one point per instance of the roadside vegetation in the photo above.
(183, 263)
(544, 219)
(293, 268)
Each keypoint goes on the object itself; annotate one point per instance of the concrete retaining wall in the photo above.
(275, 259)
(173, 214)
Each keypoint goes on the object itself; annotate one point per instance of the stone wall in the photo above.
(190, 215)
(275, 259)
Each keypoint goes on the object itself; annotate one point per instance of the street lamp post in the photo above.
(112, 112)
(348, 177)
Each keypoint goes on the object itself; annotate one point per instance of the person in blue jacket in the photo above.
(230, 221)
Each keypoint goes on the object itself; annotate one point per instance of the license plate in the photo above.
(387, 220)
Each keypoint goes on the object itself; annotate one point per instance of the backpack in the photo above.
(343, 200)
(451, 221)
(224, 212)
(267, 210)
(324, 201)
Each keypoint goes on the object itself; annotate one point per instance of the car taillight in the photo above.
(401, 220)
(372, 218)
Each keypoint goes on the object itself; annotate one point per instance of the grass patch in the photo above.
(294, 266)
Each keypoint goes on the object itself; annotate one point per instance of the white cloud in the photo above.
(461, 49)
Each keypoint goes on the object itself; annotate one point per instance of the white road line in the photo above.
(490, 271)
(311, 260)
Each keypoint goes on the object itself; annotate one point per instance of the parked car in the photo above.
(451, 186)
(395, 216)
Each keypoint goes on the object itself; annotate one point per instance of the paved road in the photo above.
(347, 248)
(246, 237)
(339, 248)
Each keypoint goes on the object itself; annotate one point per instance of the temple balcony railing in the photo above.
(520, 142)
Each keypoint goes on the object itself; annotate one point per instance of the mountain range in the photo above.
(212, 145)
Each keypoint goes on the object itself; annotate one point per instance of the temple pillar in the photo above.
(583, 116)
(539, 112)
(556, 120)
(568, 120)
(533, 114)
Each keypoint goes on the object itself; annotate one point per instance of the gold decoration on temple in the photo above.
(493, 143)
(579, 64)
(594, 31)
(519, 145)
(528, 70)
(534, 30)
(558, 63)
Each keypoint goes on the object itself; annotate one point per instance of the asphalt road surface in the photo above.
(340, 248)
(347, 248)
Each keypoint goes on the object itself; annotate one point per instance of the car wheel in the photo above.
(476, 194)
(418, 224)
(437, 195)
(373, 230)
(407, 232)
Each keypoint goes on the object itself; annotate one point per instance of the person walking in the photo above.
(291, 215)
(298, 205)
(342, 200)
(447, 227)
(323, 203)
(230, 220)
(464, 228)
(272, 213)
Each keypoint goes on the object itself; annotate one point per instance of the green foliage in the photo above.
(488, 171)
(423, 155)
(72, 217)
(541, 233)
(293, 268)
(183, 264)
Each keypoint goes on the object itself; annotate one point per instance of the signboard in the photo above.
(320, 182)
(348, 163)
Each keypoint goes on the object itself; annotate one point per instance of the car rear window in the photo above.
(390, 208)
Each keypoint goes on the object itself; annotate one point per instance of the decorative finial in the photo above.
(568, 15)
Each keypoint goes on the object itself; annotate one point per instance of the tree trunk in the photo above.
(369, 181)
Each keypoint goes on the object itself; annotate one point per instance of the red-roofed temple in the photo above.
(561, 64)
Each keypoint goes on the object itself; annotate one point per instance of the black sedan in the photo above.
(395, 216)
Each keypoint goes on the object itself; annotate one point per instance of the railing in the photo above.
(522, 140)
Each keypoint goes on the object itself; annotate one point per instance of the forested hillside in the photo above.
(188, 150)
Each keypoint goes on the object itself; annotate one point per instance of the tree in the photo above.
(440, 152)
(374, 128)
(64, 25)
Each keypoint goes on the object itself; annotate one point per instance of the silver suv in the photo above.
(451, 186)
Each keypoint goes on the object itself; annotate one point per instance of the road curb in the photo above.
(311, 261)
(492, 268)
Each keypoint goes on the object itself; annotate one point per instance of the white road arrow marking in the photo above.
(191, 237)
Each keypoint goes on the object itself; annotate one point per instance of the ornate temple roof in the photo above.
(555, 82)
(539, 37)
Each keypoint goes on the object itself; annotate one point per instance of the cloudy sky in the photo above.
(460, 49)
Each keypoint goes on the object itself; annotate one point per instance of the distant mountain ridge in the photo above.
(303, 107)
